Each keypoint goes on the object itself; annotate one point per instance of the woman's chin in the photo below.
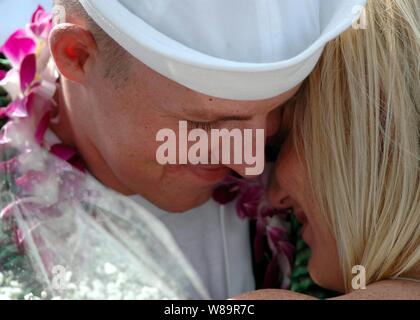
(314, 272)
(324, 277)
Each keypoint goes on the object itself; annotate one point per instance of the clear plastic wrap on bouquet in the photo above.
(77, 239)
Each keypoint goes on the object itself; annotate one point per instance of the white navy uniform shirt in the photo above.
(215, 242)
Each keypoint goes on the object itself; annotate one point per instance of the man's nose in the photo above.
(255, 124)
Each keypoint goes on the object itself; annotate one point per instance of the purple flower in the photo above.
(282, 252)
(19, 45)
(251, 203)
(259, 241)
(278, 241)
(27, 182)
(248, 203)
(68, 154)
(226, 192)
(16, 109)
(20, 49)
(42, 127)
(41, 23)
(27, 71)
(78, 163)
(271, 278)
(62, 151)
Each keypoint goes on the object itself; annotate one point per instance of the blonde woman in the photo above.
(350, 165)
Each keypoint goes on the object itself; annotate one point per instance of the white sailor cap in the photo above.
(231, 49)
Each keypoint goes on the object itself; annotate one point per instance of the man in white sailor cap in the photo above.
(132, 67)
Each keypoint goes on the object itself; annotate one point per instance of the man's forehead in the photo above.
(216, 109)
(213, 109)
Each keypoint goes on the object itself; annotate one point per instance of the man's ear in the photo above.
(71, 47)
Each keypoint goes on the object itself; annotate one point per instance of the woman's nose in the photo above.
(278, 198)
(273, 124)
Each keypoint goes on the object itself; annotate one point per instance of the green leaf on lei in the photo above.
(4, 98)
(301, 281)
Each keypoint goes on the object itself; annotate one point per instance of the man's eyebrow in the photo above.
(212, 117)
(232, 118)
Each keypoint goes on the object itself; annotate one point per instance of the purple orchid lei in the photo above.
(271, 225)
(32, 83)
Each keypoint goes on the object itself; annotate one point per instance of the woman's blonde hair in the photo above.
(359, 118)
